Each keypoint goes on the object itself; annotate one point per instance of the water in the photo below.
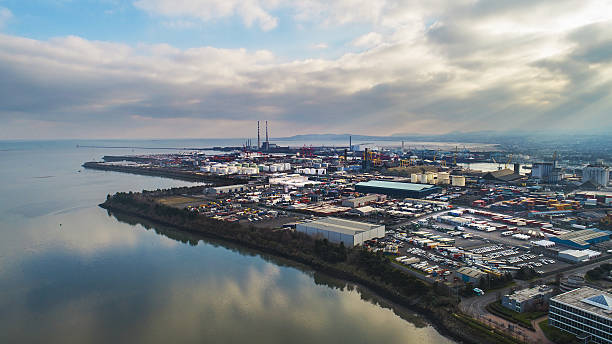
(72, 273)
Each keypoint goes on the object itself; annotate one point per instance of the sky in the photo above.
(212, 68)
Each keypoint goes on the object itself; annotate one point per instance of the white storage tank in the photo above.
(423, 178)
(430, 177)
(287, 166)
(266, 168)
(273, 168)
(414, 178)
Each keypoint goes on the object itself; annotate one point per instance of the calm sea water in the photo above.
(72, 273)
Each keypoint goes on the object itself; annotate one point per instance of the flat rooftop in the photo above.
(583, 236)
(588, 299)
(396, 185)
(337, 225)
(528, 294)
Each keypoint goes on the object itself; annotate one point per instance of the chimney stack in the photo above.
(258, 140)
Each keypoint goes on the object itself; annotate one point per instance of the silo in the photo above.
(422, 178)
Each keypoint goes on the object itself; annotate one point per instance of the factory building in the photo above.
(546, 172)
(396, 189)
(362, 201)
(584, 312)
(596, 174)
(573, 256)
(472, 275)
(219, 190)
(582, 239)
(528, 299)
(350, 233)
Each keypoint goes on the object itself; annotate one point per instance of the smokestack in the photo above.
(517, 168)
(258, 140)
(350, 143)
(402, 146)
(267, 132)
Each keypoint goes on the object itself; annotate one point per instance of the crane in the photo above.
(509, 160)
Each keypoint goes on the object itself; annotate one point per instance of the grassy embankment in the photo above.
(557, 336)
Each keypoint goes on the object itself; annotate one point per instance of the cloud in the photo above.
(5, 16)
(320, 46)
(251, 11)
(368, 40)
(421, 68)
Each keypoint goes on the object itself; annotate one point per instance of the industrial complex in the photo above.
(429, 212)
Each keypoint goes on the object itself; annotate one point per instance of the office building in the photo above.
(584, 312)
(528, 299)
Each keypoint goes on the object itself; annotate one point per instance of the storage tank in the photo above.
(273, 168)
(414, 178)
(430, 177)
(266, 168)
(287, 166)
(423, 178)
(458, 180)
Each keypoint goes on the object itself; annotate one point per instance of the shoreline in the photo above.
(394, 305)
(443, 318)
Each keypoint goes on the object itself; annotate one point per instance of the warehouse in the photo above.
(362, 201)
(582, 239)
(219, 190)
(396, 189)
(351, 233)
(470, 275)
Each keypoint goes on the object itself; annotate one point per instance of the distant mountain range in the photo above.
(474, 137)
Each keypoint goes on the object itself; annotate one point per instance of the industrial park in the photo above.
(507, 243)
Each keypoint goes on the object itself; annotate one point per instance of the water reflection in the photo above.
(72, 273)
(321, 279)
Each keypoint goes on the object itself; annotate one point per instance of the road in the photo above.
(476, 306)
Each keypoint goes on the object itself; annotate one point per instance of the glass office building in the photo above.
(584, 312)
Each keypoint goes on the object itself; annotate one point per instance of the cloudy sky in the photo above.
(212, 68)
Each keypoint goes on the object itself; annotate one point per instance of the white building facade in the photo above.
(350, 233)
